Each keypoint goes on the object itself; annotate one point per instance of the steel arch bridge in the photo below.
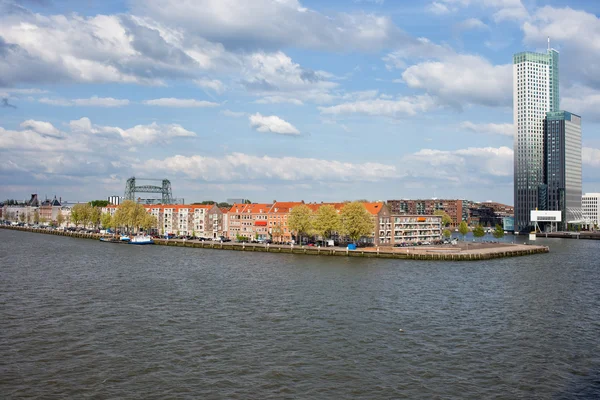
(131, 189)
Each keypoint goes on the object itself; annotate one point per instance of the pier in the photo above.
(462, 252)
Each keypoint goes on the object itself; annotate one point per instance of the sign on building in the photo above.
(546, 216)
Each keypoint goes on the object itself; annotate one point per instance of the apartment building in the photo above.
(456, 209)
(179, 219)
(277, 220)
(248, 220)
(416, 228)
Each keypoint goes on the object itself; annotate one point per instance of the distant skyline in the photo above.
(281, 99)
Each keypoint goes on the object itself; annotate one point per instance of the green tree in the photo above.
(463, 229)
(60, 218)
(149, 221)
(224, 205)
(98, 203)
(43, 220)
(446, 220)
(499, 232)
(106, 220)
(447, 233)
(36, 217)
(78, 214)
(130, 215)
(300, 220)
(479, 232)
(355, 221)
(326, 221)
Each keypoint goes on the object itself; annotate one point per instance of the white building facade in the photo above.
(590, 204)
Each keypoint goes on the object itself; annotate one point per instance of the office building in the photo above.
(562, 156)
(535, 92)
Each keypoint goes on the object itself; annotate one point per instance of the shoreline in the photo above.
(476, 253)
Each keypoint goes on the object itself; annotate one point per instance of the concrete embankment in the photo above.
(571, 235)
(473, 253)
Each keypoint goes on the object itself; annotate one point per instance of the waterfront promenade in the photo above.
(466, 251)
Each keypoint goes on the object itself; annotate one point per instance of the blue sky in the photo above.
(280, 99)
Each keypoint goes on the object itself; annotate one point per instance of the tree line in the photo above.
(353, 221)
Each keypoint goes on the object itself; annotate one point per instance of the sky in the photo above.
(281, 99)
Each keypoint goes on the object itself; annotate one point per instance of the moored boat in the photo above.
(125, 238)
(141, 239)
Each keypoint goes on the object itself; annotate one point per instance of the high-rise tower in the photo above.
(562, 157)
(535, 92)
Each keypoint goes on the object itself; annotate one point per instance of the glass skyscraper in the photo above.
(535, 92)
(562, 149)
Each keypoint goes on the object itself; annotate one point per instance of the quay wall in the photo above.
(502, 252)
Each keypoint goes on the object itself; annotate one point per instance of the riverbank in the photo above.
(462, 252)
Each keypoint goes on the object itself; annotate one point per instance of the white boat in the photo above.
(124, 238)
(141, 239)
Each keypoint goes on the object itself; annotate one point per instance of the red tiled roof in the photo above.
(283, 207)
(373, 208)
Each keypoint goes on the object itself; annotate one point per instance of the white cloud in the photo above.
(279, 100)
(590, 156)
(504, 10)
(272, 124)
(41, 127)
(139, 134)
(576, 34)
(491, 128)
(471, 24)
(483, 165)
(212, 84)
(180, 103)
(463, 79)
(438, 8)
(582, 101)
(273, 24)
(239, 167)
(233, 114)
(381, 107)
(93, 101)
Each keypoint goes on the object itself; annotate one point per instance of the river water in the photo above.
(84, 319)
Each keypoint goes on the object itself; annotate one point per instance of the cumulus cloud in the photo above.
(93, 101)
(41, 127)
(239, 166)
(576, 34)
(484, 165)
(180, 103)
(405, 106)
(474, 80)
(273, 24)
(272, 124)
(491, 128)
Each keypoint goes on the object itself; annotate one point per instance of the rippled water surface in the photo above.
(80, 319)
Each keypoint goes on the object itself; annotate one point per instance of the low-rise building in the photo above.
(590, 204)
(277, 220)
(416, 228)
